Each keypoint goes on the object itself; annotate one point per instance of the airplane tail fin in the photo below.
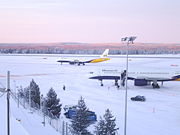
(105, 53)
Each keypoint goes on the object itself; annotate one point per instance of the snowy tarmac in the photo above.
(160, 114)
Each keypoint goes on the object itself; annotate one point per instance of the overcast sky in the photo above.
(91, 21)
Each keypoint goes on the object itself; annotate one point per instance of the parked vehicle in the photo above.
(138, 98)
(70, 113)
(68, 107)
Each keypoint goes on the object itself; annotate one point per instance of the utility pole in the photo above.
(44, 109)
(128, 40)
(8, 103)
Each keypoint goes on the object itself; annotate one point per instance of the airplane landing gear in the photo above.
(101, 83)
(81, 63)
(155, 85)
(116, 84)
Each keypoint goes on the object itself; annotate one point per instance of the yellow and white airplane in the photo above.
(102, 58)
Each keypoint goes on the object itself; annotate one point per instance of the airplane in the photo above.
(103, 57)
(145, 78)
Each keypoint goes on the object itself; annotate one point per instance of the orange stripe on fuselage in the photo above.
(99, 60)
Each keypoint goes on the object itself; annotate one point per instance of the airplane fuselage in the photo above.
(102, 58)
(98, 60)
(140, 78)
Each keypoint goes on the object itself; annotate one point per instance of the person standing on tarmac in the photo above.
(64, 88)
(123, 78)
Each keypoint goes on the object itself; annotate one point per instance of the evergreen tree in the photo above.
(106, 125)
(80, 121)
(52, 104)
(26, 94)
(20, 92)
(35, 93)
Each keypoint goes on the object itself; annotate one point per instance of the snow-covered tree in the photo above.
(34, 91)
(80, 121)
(26, 94)
(52, 104)
(20, 92)
(106, 125)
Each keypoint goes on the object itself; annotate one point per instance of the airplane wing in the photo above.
(105, 77)
(115, 78)
(108, 78)
(64, 61)
(73, 62)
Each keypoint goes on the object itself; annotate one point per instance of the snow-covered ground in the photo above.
(22, 121)
(160, 114)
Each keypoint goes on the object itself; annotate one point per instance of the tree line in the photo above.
(88, 51)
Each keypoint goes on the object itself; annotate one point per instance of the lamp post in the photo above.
(8, 103)
(128, 40)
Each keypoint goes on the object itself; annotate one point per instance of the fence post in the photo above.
(66, 128)
(59, 126)
(18, 100)
(24, 102)
(57, 121)
(63, 128)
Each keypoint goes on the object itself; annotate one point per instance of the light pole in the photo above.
(8, 103)
(128, 40)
